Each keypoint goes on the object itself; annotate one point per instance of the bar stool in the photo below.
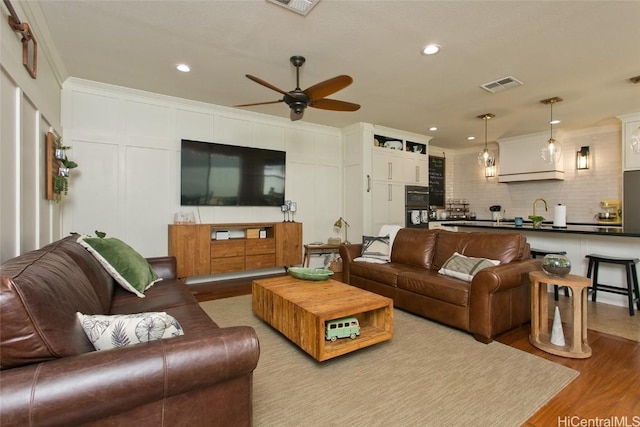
(542, 252)
(632, 278)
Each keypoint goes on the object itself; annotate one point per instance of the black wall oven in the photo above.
(416, 206)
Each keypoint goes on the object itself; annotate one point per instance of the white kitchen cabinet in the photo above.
(416, 169)
(630, 127)
(375, 176)
(387, 165)
(387, 204)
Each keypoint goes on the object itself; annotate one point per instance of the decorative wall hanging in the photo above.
(29, 43)
(58, 168)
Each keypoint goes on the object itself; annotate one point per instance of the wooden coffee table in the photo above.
(299, 309)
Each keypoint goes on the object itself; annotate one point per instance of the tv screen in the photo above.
(228, 175)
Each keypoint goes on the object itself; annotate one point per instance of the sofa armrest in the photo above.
(93, 386)
(348, 253)
(500, 297)
(164, 266)
(504, 276)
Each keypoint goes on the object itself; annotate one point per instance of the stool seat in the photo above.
(542, 252)
(613, 259)
(632, 291)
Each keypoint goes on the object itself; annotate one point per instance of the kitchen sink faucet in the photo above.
(539, 200)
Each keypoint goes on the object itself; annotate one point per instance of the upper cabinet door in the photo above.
(387, 165)
(416, 170)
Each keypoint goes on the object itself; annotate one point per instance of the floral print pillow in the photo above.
(121, 330)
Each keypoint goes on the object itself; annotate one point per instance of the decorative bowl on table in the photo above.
(556, 265)
(310, 273)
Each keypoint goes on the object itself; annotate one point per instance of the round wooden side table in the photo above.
(540, 336)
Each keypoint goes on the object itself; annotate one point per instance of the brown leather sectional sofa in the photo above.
(496, 300)
(51, 375)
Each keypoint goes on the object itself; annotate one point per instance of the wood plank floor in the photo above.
(608, 386)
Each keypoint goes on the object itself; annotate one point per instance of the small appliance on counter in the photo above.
(416, 206)
(611, 213)
(496, 212)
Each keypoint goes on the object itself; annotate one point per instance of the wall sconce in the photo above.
(582, 158)
(338, 224)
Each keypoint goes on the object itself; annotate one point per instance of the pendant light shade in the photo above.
(552, 150)
(486, 158)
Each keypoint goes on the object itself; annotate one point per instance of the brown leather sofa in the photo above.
(496, 300)
(51, 375)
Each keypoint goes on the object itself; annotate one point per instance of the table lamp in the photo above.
(338, 224)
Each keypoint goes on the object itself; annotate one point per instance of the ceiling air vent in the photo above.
(501, 84)
(299, 6)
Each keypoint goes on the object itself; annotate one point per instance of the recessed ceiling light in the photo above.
(183, 67)
(471, 138)
(554, 122)
(431, 49)
(433, 128)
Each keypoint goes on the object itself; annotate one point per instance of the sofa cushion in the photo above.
(121, 330)
(437, 286)
(127, 266)
(414, 247)
(386, 274)
(505, 247)
(166, 294)
(448, 242)
(463, 267)
(40, 293)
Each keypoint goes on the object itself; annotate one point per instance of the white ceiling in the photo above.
(582, 51)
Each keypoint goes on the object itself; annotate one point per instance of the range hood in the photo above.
(521, 160)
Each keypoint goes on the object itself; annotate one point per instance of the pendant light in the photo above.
(552, 150)
(485, 157)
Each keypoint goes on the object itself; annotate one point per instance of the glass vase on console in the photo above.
(556, 265)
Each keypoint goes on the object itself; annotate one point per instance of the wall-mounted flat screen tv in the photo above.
(228, 175)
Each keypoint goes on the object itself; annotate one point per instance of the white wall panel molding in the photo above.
(133, 160)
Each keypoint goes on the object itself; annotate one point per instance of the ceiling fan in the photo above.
(298, 100)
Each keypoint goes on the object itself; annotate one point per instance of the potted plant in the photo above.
(537, 220)
(61, 181)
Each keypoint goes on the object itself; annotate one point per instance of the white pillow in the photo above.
(121, 330)
(371, 260)
(376, 247)
(463, 267)
(389, 230)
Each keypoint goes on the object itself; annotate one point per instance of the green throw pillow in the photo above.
(124, 264)
(463, 267)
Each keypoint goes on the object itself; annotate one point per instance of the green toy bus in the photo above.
(342, 328)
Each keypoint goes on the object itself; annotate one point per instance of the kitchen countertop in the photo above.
(572, 228)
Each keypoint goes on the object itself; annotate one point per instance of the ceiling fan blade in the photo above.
(259, 103)
(296, 116)
(333, 104)
(266, 84)
(328, 87)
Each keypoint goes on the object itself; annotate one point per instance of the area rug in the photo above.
(427, 375)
